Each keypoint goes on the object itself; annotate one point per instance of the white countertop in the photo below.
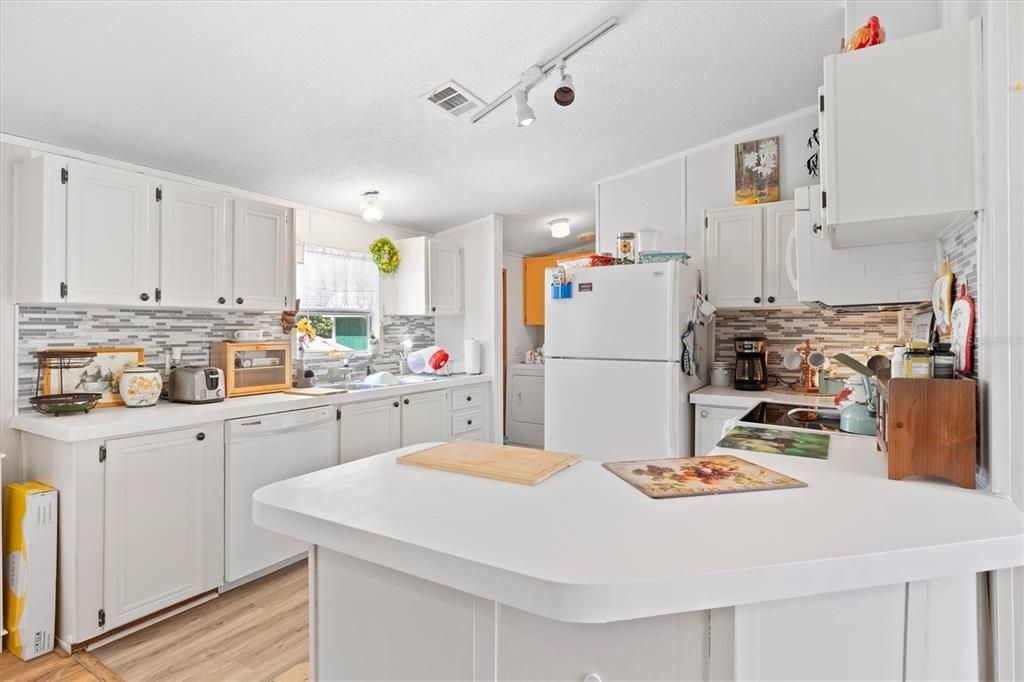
(727, 396)
(109, 422)
(584, 546)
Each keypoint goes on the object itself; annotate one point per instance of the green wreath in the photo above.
(385, 255)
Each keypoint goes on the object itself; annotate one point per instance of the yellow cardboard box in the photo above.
(30, 560)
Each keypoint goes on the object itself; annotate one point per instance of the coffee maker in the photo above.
(751, 372)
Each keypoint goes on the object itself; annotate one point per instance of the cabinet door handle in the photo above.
(406, 401)
(757, 299)
(703, 413)
(222, 300)
(200, 436)
(239, 300)
(469, 422)
(469, 398)
(144, 296)
(771, 299)
(395, 403)
(433, 308)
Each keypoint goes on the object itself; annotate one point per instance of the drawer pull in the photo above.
(469, 398)
(395, 403)
(406, 401)
(200, 436)
(469, 422)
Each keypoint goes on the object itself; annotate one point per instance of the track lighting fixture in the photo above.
(559, 227)
(369, 208)
(524, 113)
(565, 93)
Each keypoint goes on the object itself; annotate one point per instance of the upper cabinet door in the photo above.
(779, 255)
(111, 236)
(445, 277)
(195, 247)
(263, 260)
(733, 252)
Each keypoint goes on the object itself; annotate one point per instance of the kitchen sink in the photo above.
(415, 379)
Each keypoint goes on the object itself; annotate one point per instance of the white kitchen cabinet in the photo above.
(650, 198)
(908, 108)
(195, 247)
(263, 265)
(370, 428)
(733, 256)
(710, 422)
(163, 520)
(748, 250)
(111, 236)
(429, 280)
(40, 237)
(425, 418)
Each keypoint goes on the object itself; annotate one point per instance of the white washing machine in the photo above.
(524, 405)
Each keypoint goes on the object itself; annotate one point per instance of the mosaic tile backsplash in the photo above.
(861, 334)
(157, 330)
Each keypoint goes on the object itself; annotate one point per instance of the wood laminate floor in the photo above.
(257, 632)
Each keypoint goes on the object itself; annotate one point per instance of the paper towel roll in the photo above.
(473, 355)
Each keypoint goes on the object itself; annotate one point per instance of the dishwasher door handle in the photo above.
(264, 431)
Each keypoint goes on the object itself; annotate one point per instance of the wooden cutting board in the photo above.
(487, 460)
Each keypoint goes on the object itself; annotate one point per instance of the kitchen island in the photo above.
(425, 574)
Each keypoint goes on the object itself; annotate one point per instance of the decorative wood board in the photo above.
(315, 390)
(695, 476)
(487, 460)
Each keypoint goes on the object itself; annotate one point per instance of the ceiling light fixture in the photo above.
(559, 227)
(524, 112)
(565, 93)
(539, 72)
(371, 210)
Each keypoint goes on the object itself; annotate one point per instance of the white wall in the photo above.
(10, 442)
(521, 337)
(481, 245)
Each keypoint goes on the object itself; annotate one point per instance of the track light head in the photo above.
(565, 93)
(524, 113)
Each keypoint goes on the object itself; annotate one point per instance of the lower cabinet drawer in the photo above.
(474, 434)
(467, 420)
(467, 397)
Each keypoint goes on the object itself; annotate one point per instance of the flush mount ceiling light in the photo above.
(370, 208)
(565, 94)
(524, 112)
(559, 227)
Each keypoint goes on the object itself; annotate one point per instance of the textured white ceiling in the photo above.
(316, 102)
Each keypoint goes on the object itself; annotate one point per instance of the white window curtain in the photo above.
(337, 280)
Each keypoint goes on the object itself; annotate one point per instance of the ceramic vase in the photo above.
(140, 386)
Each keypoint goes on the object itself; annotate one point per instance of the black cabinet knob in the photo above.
(396, 403)
(433, 308)
(200, 436)
(144, 296)
(406, 401)
(771, 299)
(222, 300)
(469, 422)
(239, 300)
(469, 398)
(757, 299)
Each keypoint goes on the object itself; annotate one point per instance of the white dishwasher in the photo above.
(263, 450)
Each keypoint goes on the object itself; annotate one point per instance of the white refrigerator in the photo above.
(615, 387)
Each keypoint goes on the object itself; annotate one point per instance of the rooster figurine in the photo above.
(871, 33)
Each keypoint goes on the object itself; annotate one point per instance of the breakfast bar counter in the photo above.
(895, 563)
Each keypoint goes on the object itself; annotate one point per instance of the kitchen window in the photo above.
(340, 293)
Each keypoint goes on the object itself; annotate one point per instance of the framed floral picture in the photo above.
(694, 476)
(757, 171)
(99, 376)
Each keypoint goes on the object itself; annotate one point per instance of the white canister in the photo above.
(474, 361)
(721, 373)
(140, 386)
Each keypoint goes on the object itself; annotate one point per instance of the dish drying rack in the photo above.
(59, 404)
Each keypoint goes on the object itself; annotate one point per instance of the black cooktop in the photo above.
(794, 416)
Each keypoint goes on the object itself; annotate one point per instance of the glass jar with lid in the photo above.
(625, 248)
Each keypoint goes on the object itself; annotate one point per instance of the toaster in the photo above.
(196, 385)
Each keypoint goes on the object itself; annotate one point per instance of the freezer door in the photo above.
(624, 312)
(612, 411)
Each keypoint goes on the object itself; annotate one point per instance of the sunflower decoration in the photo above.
(385, 255)
(306, 332)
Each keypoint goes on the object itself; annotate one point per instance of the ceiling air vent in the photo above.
(453, 99)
